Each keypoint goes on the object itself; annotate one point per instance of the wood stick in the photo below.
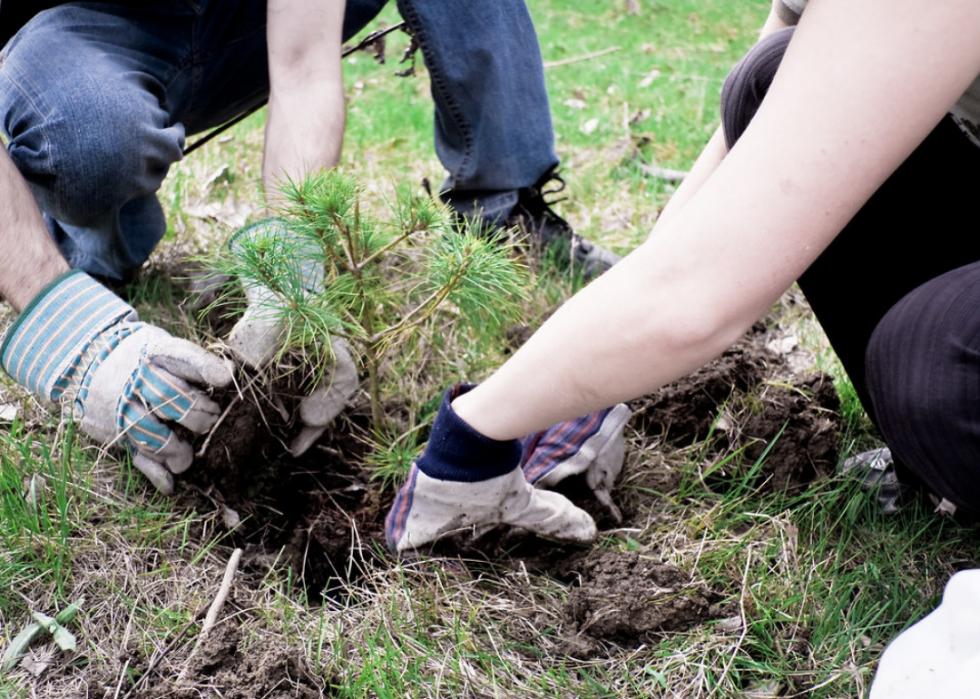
(662, 173)
(213, 611)
(586, 57)
(219, 601)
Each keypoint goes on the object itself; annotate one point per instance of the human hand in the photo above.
(594, 445)
(80, 345)
(466, 481)
(258, 336)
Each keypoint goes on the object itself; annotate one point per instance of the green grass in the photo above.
(825, 568)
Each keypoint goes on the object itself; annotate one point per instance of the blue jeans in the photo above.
(96, 100)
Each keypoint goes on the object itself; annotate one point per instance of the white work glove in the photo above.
(940, 655)
(594, 445)
(80, 345)
(257, 336)
(468, 482)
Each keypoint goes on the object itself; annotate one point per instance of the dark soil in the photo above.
(318, 512)
(684, 411)
(267, 669)
(796, 431)
(746, 400)
(626, 598)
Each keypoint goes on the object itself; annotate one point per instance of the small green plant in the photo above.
(334, 272)
(52, 625)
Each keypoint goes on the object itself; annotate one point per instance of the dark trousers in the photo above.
(898, 293)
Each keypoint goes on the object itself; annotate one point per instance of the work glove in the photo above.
(940, 655)
(465, 481)
(594, 445)
(79, 345)
(258, 335)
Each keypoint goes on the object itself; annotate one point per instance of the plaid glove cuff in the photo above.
(457, 452)
(45, 346)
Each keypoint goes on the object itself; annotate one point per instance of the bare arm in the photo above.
(860, 86)
(305, 127)
(30, 258)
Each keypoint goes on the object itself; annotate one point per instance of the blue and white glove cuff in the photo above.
(43, 348)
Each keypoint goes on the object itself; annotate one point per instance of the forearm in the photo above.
(833, 127)
(30, 258)
(305, 125)
(712, 155)
(304, 133)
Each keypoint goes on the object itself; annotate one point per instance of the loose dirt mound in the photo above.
(684, 411)
(267, 669)
(798, 425)
(315, 512)
(625, 597)
(748, 401)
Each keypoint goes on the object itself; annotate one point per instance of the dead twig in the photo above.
(745, 624)
(213, 611)
(219, 600)
(662, 173)
(204, 447)
(577, 59)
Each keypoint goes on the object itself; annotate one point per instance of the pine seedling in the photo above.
(333, 272)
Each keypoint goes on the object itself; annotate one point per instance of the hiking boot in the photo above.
(876, 471)
(552, 236)
(538, 226)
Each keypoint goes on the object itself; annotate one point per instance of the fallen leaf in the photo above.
(574, 103)
(9, 412)
(732, 623)
(36, 662)
(589, 126)
(230, 517)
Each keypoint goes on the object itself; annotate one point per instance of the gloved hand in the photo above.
(466, 481)
(940, 655)
(257, 336)
(594, 445)
(81, 345)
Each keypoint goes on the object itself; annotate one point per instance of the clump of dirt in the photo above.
(798, 424)
(685, 410)
(625, 598)
(749, 400)
(267, 669)
(313, 512)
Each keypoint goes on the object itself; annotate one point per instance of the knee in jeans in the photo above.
(91, 157)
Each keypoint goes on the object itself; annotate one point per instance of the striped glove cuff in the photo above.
(60, 332)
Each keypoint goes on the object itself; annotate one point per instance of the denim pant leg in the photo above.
(96, 99)
(493, 129)
(90, 132)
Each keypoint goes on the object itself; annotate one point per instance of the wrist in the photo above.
(458, 452)
(43, 347)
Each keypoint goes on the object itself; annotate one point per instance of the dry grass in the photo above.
(815, 584)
